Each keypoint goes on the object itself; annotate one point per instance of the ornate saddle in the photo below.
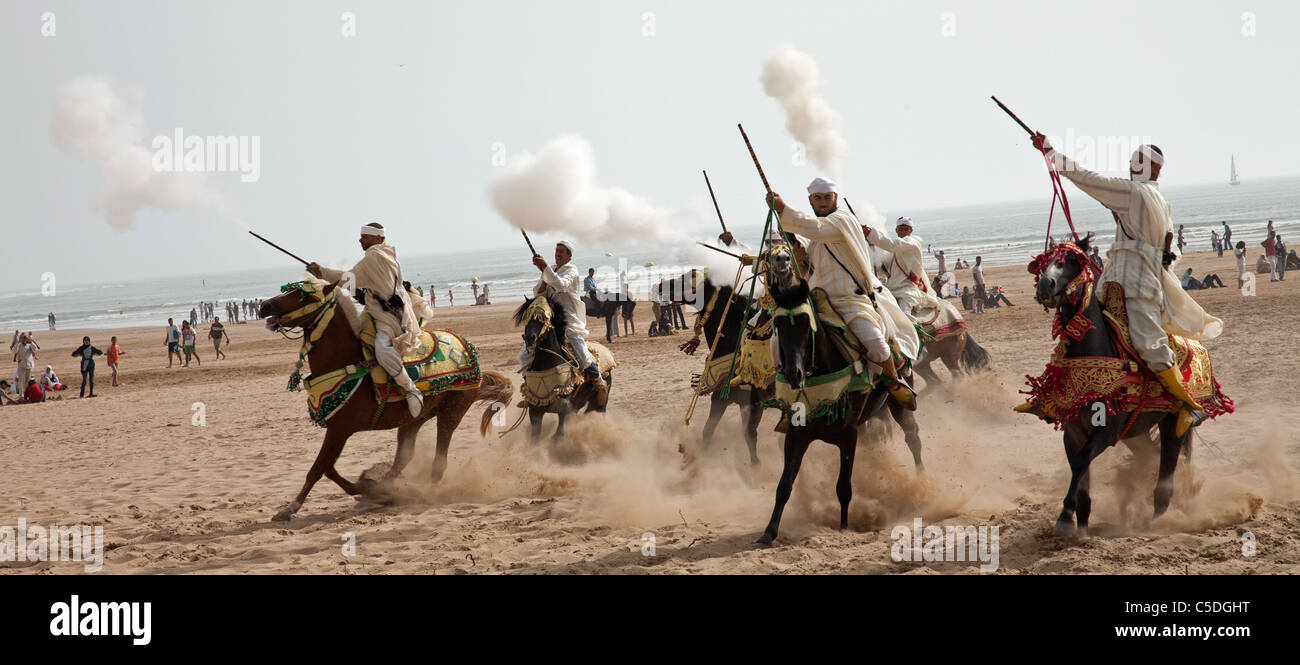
(442, 361)
(827, 395)
(940, 322)
(541, 388)
(1068, 385)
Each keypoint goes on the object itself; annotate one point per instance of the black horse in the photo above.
(749, 398)
(608, 306)
(1084, 440)
(805, 352)
(544, 339)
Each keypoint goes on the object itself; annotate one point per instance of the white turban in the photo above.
(567, 244)
(1151, 153)
(904, 221)
(367, 230)
(822, 186)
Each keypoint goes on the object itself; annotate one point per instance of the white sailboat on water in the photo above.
(1232, 179)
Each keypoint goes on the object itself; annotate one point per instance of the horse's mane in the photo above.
(346, 304)
(521, 314)
(522, 311)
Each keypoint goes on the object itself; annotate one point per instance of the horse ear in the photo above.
(1087, 240)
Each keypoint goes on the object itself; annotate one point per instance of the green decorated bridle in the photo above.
(313, 314)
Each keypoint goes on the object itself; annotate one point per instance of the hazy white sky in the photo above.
(401, 122)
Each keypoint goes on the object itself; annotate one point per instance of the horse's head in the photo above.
(299, 304)
(795, 324)
(1060, 273)
(539, 316)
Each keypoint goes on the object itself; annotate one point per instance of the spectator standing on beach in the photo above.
(1270, 252)
(1279, 248)
(173, 342)
(1227, 236)
(51, 320)
(1181, 242)
(215, 333)
(1214, 242)
(451, 300)
(114, 351)
(187, 342)
(977, 274)
(194, 315)
(25, 355)
(87, 354)
(1242, 275)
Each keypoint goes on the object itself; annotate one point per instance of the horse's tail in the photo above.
(973, 357)
(497, 388)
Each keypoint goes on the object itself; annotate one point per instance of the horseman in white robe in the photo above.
(1156, 302)
(563, 283)
(397, 330)
(841, 263)
(903, 269)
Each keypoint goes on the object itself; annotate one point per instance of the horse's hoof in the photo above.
(764, 540)
(286, 512)
(1063, 528)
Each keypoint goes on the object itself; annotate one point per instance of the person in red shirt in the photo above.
(33, 392)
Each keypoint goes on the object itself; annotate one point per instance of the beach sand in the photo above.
(179, 497)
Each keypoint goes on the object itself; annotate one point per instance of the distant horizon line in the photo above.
(202, 275)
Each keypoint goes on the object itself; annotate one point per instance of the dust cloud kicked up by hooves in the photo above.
(557, 190)
(98, 122)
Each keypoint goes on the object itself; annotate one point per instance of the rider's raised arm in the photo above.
(1114, 193)
(331, 275)
(816, 228)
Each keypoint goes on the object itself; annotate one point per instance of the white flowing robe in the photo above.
(378, 273)
(904, 271)
(1134, 261)
(840, 234)
(565, 286)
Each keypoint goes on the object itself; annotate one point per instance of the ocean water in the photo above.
(1003, 233)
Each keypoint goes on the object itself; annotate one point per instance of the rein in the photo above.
(321, 313)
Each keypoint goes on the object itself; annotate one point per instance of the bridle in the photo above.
(1078, 292)
(314, 314)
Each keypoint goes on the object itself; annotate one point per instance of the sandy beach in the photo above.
(176, 497)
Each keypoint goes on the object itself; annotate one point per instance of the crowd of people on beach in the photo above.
(26, 389)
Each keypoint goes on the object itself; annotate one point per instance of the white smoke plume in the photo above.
(557, 191)
(791, 77)
(95, 121)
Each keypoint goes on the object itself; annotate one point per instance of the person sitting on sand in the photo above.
(1292, 261)
(1190, 283)
(33, 394)
(1261, 265)
(996, 296)
(5, 397)
(967, 299)
(50, 380)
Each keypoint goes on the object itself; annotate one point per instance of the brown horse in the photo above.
(959, 353)
(303, 306)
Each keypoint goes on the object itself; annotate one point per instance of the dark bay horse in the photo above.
(1056, 272)
(727, 335)
(807, 351)
(335, 348)
(543, 338)
(608, 306)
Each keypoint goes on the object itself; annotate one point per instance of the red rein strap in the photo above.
(1058, 192)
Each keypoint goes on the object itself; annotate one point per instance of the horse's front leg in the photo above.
(717, 407)
(796, 444)
(330, 448)
(848, 445)
(535, 415)
(1087, 445)
(754, 414)
(1170, 445)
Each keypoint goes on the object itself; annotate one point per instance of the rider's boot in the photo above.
(1191, 414)
(597, 383)
(897, 387)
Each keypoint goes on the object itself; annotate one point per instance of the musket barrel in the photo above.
(755, 158)
(715, 202)
(278, 247)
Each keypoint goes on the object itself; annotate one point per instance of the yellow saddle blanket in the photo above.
(542, 387)
(442, 361)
